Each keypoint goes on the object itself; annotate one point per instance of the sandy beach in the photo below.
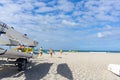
(68, 66)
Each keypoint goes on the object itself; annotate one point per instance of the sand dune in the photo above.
(69, 66)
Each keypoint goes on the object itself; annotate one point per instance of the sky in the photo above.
(66, 24)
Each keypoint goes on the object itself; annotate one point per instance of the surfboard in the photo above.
(115, 68)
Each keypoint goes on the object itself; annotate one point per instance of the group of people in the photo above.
(20, 48)
(41, 52)
(50, 51)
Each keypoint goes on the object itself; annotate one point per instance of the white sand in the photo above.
(69, 66)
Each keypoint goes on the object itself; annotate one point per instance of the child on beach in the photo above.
(61, 51)
(41, 51)
(51, 52)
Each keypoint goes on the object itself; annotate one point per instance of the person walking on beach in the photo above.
(61, 51)
(41, 51)
(51, 52)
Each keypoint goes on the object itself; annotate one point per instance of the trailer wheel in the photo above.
(22, 64)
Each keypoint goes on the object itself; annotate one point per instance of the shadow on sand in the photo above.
(65, 71)
(35, 73)
(7, 72)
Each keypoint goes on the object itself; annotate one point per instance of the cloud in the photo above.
(45, 9)
(69, 23)
(65, 5)
(85, 19)
(39, 4)
(103, 34)
(29, 12)
(100, 35)
(102, 10)
(109, 32)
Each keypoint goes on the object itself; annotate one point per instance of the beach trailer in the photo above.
(15, 38)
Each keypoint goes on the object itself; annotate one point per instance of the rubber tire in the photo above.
(22, 64)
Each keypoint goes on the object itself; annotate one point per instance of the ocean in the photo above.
(107, 51)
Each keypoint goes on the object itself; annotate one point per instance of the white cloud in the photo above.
(69, 23)
(45, 9)
(29, 17)
(65, 5)
(108, 27)
(103, 34)
(108, 31)
(104, 17)
(100, 35)
(102, 10)
(39, 4)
